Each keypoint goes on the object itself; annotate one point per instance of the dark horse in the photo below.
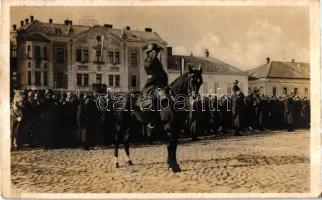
(169, 119)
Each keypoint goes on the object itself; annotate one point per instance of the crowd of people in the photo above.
(56, 119)
(256, 112)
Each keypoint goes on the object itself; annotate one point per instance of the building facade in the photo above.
(276, 78)
(218, 77)
(74, 57)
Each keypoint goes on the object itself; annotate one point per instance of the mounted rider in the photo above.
(157, 77)
(157, 80)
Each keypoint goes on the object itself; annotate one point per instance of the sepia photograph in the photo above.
(151, 100)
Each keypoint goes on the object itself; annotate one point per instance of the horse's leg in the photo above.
(127, 147)
(172, 148)
(116, 149)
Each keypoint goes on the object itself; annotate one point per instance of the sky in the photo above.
(242, 36)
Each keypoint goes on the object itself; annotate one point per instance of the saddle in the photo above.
(150, 97)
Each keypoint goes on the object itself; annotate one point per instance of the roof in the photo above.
(209, 65)
(51, 28)
(278, 69)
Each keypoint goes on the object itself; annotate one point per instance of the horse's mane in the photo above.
(179, 83)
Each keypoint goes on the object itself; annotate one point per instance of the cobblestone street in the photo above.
(268, 162)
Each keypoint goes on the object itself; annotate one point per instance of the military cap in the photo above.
(153, 46)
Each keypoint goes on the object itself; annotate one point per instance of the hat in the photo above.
(153, 46)
(256, 89)
(236, 88)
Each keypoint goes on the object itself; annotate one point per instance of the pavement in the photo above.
(270, 162)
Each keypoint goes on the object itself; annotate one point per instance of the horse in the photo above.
(169, 119)
(16, 115)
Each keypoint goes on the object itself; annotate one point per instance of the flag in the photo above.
(102, 47)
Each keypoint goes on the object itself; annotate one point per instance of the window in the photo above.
(228, 88)
(117, 80)
(79, 79)
(274, 91)
(45, 65)
(85, 79)
(82, 79)
(45, 78)
(285, 90)
(29, 77)
(28, 51)
(45, 53)
(60, 79)
(110, 56)
(14, 52)
(99, 78)
(29, 64)
(306, 92)
(134, 59)
(59, 54)
(58, 31)
(110, 80)
(82, 55)
(37, 78)
(37, 53)
(98, 55)
(117, 57)
(133, 81)
(37, 63)
(79, 55)
(296, 91)
(85, 55)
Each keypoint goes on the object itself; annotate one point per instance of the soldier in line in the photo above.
(289, 112)
(50, 119)
(238, 108)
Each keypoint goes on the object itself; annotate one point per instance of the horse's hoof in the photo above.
(129, 162)
(117, 165)
(175, 168)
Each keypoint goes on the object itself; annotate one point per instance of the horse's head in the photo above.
(18, 98)
(194, 79)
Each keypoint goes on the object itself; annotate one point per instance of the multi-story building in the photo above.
(218, 77)
(280, 78)
(74, 57)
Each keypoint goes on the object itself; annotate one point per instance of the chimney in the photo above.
(66, 21)
(169, 49)
(268, 59)
(50, 21)
(191, 54)
(108, 25)
(27, 21)
(128, 28)
(293, 60)
(206, 53)
(31, 18)
(14, 27)
(148, 29)
(182, 66)
(21, 23)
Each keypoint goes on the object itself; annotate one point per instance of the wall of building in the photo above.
(211, 81)
(71, 67)
(267, 85)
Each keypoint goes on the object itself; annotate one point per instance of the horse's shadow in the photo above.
(241, 160)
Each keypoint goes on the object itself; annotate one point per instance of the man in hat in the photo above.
(157, 77)
(238, 106)
(289, 111)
